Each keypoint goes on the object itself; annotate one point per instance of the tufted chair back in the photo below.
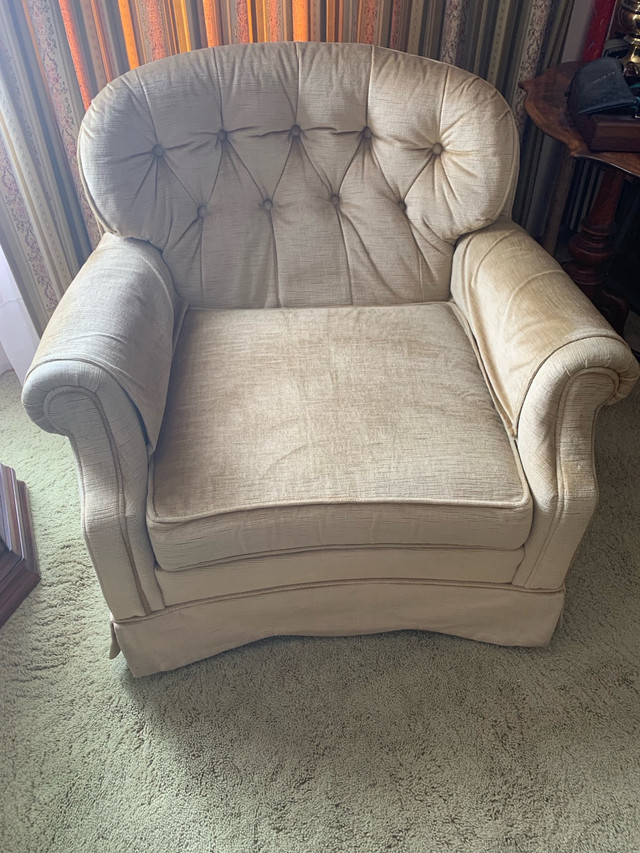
(300, 174)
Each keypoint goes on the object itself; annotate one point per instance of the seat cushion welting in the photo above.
(294, 429)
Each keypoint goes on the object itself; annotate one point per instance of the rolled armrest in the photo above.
(552, 362)
(100, 377)
(523, 310)
(120, 316)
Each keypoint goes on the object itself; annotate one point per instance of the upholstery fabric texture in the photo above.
(125, 330)
(228, 160)
(325, 564)
(505, 615)
(521, 313)
(359, 435)
(315, 379)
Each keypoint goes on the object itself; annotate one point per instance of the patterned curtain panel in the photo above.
(42, 225)
(55, 55)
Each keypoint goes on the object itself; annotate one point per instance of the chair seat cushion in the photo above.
(295, 429)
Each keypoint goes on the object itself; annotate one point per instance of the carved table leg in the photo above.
(593, 247)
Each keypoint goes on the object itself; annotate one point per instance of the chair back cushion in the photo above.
(300, 175)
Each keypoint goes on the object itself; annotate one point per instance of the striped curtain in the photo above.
(43, 226)
(55, 55)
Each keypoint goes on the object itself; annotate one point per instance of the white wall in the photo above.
(18, 338)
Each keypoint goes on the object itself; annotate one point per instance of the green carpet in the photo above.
(400, 742)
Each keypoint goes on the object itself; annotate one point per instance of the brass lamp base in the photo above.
(629, 17)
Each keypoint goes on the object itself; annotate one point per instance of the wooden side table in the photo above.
(592, 247)
(18, 564)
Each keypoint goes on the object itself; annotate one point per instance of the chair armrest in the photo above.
(523, 310)
(100, 376)
(120, 315)
(552, 362)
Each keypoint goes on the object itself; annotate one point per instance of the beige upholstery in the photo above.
(344, 446)
(315, 378)
(228, 160)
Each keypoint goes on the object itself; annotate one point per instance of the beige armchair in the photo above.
(316, 380)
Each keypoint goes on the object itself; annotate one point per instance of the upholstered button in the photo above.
(335, 199)
(295, 130)
(223, 135)
(367, 133)
(402, 205)
(158, 150)
(437, 148)
(202, 211)
(267, 204)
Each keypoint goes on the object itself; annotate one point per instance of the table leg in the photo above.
(593, 247)
(561, 186)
